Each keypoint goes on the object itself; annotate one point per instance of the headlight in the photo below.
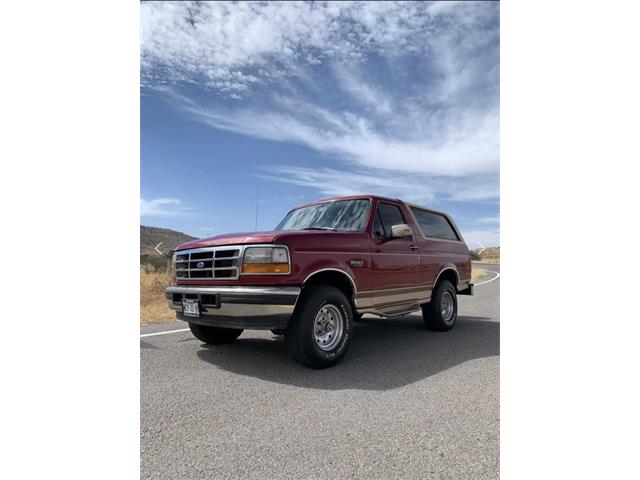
(265, 260)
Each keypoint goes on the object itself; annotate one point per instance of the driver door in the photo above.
(396, 261)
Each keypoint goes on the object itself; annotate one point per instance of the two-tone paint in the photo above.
(387, 277)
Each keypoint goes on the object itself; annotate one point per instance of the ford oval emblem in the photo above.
(200, 264)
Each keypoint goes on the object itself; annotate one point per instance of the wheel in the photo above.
(320, 328)
(278, 331)
(441, 312)
(214, 335)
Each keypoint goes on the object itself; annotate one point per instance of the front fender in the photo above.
(317, 266)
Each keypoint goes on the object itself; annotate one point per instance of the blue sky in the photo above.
(308, 100)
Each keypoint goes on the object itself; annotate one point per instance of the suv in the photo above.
(324, 266)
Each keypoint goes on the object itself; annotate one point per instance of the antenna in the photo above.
(255, 229)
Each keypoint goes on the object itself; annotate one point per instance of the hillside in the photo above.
(152, 236)
(488, 255)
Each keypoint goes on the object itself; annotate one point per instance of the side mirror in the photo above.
(400, 231)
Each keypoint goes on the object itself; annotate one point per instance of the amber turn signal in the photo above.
(265, 268)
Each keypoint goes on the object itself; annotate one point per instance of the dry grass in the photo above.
(153, 305)
(477, 273)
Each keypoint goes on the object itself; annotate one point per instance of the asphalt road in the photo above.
(404, 403)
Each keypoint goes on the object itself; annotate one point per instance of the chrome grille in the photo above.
(215, 263)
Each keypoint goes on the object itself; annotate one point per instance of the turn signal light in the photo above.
(265, 268)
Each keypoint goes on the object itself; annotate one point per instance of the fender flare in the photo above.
(448, 267)
(339, 270)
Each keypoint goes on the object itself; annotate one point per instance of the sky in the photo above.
(261, 107)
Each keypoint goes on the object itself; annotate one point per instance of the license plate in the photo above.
(190, 307)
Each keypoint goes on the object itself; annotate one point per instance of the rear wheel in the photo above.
(321, 327)
(214, 335)
(441, 312)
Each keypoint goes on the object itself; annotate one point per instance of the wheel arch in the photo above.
(448, 273)
(334, 277)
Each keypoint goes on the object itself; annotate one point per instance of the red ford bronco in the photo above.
(324, 266)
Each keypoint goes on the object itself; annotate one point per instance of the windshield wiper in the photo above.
(320, 228)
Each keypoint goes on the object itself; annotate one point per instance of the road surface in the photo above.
(404, 403)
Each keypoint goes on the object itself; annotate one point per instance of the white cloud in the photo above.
(332, 182)
(354, 83)
(477, 238)
(162, 207)
(417, 188)
(491, 219)
(472, 149)
(218, 41)
(406, 92)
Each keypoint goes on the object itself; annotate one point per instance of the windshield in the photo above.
(340, 216)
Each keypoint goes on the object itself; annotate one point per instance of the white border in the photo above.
(70, 193)
(569, 181)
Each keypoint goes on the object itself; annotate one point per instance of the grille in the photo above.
(208, 263)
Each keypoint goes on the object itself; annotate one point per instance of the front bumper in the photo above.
(257, 308)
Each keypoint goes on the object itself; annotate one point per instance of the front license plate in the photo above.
(190, 307)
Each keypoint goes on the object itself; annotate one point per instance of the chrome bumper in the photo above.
(260, 308)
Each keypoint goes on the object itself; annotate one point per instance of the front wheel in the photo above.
(214, 335)
(321, 327)
(441, 312)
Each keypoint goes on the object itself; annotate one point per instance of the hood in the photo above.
(231, 239)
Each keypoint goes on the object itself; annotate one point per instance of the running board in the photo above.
(392, 310)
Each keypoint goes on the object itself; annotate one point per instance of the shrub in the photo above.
(475, 255)
(153, 263)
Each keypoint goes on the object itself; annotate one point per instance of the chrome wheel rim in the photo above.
(446, 306)
(328, 327)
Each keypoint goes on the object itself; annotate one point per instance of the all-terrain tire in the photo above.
(308, 336)
(214, 335)
(441, 312)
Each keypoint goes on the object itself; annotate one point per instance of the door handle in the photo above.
(413, 247)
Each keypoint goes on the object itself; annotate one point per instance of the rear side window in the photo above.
(434, 225)
(389, 215)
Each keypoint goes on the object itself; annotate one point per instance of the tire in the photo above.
(214, 335)
(441, 313)
(320, 328)
(279, 331)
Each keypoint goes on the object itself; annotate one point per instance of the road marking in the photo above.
(490, 280)
(166, 332)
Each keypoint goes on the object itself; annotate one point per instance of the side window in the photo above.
(434, 225)
(389, 215)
